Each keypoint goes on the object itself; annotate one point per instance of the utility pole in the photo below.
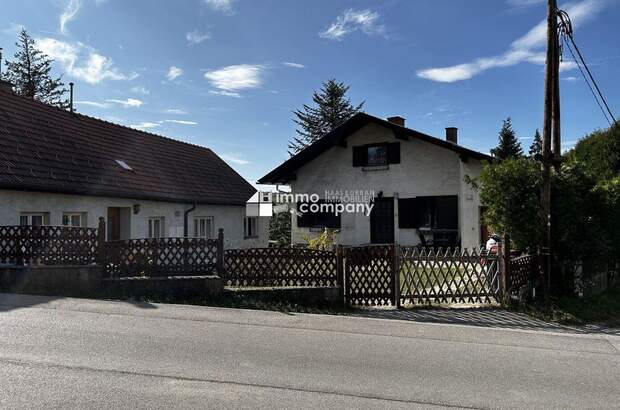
(551, 91)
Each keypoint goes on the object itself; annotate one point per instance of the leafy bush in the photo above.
(511, 192)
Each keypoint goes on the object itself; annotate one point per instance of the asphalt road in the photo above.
(59, 353)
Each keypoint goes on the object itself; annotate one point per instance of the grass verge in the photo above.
(603, 309)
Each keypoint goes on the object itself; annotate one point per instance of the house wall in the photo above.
(424, 170)
(228, 217)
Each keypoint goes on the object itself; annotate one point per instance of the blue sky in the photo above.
(228, 73)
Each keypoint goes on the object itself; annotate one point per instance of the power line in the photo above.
(588, 83)
(566, 31)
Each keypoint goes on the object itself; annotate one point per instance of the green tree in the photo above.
(536, 147)
(599, 152)
(332, 108)
(508, 146)
(510, 190)
(30, 73)
(280, 229)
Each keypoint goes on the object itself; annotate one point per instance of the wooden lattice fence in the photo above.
(448, 276)
(523, 270)
(369, 276)
(48, 245)
(155, 257)
(280, 267)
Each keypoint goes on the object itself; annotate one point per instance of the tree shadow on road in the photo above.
(483, 317)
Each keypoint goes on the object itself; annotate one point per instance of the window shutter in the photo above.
(394, 153)
(407, 213)
(359, 156)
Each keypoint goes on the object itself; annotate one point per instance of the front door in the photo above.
(382, 221)
(114, 224)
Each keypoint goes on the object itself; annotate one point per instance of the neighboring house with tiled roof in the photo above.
(64, 168)
(415, 182)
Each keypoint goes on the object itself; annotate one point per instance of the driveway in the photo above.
(97, 354)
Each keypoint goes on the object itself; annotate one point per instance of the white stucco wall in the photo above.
(230, 218)
(424, 170)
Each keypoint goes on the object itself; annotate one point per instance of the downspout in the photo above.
(185, 220)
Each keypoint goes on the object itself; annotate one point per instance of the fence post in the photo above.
(340, 272)
(220, 251)
(101, 242)
(504, 264)
(396, 274)
(19, 251)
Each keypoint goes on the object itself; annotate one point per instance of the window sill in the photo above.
(374, 168)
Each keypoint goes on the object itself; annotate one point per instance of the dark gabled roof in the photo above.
(285, 172)
(44, 148)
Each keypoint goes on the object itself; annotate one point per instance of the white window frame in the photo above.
(250, 227)
(158, 222)
(205, 222)
(70, 215)
(45, 216)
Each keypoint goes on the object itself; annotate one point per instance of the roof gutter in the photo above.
(185, 220)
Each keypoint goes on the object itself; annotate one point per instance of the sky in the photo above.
(227, 74)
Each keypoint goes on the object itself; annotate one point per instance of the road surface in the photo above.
(82, 353)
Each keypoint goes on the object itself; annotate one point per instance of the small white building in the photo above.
(414, 182)
(63, 168)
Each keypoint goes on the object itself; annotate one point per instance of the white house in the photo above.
(415, 183)
(63, 168)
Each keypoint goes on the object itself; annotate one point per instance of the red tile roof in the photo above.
(44, 148)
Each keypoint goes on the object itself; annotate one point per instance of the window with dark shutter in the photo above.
(407, 213)
(432, 212)
(359, 156)
(375, 155)
(318, 219)
(394, 153)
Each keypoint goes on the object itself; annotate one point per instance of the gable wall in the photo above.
(424, 170)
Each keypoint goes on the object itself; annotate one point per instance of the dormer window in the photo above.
(124, 165)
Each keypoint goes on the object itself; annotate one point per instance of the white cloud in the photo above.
(293, 65)
(145, 125)
(12, 29)
(82, 62)
(180, 122)
(93, 104)
(235, 159)
(129, 102)
(69, 13)
(523, 3)
(176, 111)
(353, 20)
(196, 37)
(139, 89)
(228, 80)
(524, 49)
(570, 78)
(174, 72)
(224, 6)
(225, 93)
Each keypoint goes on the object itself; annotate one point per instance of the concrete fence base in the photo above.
(323, 296)
(79, 281)
(180, 287)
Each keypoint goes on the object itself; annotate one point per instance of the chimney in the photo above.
(397, 120)
(6, 86)
(452, 134)
(71, 97)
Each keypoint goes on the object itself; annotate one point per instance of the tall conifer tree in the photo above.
(30, 73)
(332, 108)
